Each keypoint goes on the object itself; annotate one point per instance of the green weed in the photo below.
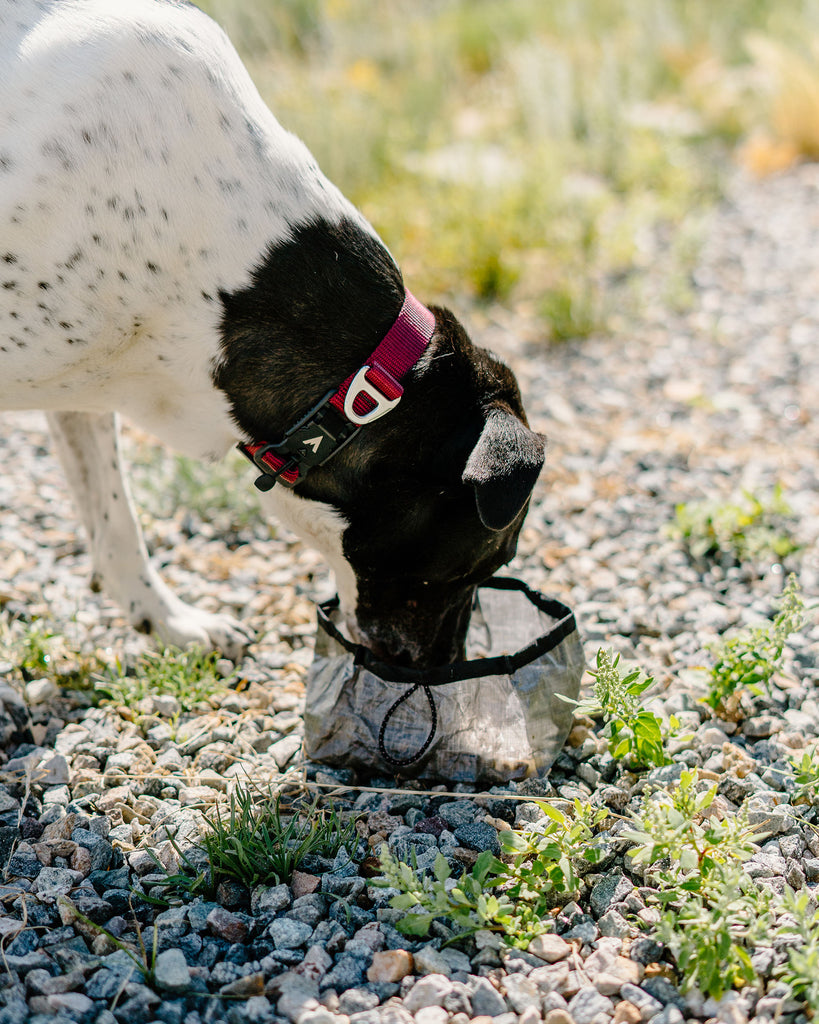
(512, 897)
(632, 733)
(806, 777)
(801, 972)
(255, 843)
(747, 661)
(755, 529)
(711, 914)
(37, 650)
(466, 903)
(189, 675)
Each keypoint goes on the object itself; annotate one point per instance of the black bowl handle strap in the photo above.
(404, 762)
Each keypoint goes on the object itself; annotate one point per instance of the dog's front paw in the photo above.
(186, 625)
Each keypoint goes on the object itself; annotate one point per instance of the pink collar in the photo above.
(365, 395)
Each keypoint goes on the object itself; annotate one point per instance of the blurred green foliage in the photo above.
(516, 150)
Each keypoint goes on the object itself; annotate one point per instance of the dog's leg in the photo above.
(88, 446)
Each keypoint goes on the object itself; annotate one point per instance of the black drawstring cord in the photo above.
(406, 761)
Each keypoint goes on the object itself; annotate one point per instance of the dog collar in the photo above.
(373, 390)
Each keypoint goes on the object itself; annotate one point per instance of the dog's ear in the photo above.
(503, 467)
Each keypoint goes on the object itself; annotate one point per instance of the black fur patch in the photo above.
(317, 306)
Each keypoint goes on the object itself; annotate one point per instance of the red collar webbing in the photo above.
(364, 396)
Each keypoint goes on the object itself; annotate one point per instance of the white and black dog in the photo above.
(169, 252)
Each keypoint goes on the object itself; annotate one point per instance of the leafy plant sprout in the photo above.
(747, 661)
(631, 731)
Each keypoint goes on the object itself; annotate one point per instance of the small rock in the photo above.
(41, 691)
(485, 999)
(626, 1013)
(646, 1004)
(428, 991)
(302, 884)
(558, 1017)
(429, 960)
(587, 1004)
(225, 925)
(284, 750)
(431, 1015)
(521, 993)
(289, 934)
(614, 888)
(478, 836)
(171, 972)
(549, 947)
(390, 965)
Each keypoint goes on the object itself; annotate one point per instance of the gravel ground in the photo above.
(681, 407)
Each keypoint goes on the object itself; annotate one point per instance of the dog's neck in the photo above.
(317, 306)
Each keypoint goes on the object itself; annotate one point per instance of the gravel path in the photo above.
(682, 407)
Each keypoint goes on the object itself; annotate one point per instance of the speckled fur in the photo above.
(140, 174)
(169, 252)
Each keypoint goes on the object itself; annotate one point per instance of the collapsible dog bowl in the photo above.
(496, 717)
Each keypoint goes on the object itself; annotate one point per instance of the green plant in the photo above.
(38, 649)
(512, 897)
(189, 675)
(674, 824)
(711, 913)
(747, 661)
(801, 972)
(255, 844)
(631, 732)
(753, 530)
(467, 903)
(806, 777)
(710, 935)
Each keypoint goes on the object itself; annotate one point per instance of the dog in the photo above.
(170, 253)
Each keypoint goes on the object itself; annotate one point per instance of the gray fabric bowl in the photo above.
(494, 717)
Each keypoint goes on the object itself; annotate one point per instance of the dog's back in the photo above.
(140, 173)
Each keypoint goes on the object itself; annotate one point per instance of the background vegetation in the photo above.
(541, 153)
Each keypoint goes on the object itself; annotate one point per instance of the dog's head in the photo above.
(430, 498)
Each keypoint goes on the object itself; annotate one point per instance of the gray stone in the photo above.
(56, 881)
(485, 999)
(428, 991)
(255, 1010)
(459, 812)
(662, 989)
(296, 994)
(99, 848)
(347, 972)
(587, 1004)
(521, 993)
(478, 836)
(357, 1000)
(289, 934)
(668, 1015)
(613, 924)
(171, 972)
(609, 890)
(265, 899)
